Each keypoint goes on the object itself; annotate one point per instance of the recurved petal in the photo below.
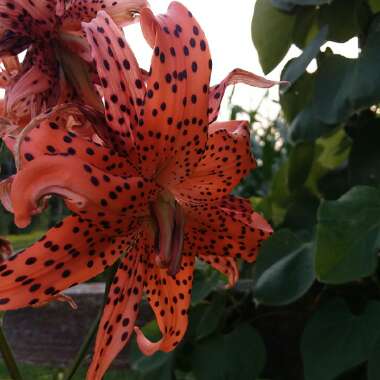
(227, 228)
(227, 159)
(82, 185)
(234, 77)
(119, 316)
(31, 83)
(175, 120)
(169, 297)
(225, 265)
(121, 81)
(35, 87)
(71, 252)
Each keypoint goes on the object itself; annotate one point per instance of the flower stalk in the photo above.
(8, 357)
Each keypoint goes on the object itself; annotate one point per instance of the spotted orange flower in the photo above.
(154, 192)
(49, 32)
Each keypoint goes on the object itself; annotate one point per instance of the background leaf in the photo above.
(269, 21)
(222, 357)
(284, 269)
(348, 236)
(335, 340)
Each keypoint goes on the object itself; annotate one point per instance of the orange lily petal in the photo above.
(71, 252)
(120, 312)
(175, 119)
(123, 12)
(121, 81)
(35, 87)
(226, 161)
(24, 18)
(225, 265)
(234, 77)
(12, 64)
(227, 228)
(5, 249)
(82, 185)
(169, 297)
(50, 138)
(5, 193)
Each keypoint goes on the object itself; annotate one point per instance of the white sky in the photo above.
(227, 26)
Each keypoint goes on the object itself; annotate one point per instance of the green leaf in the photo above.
(305, 2)
(295, 99)
(374, 362)
(374, 5)
(211, 317)
(348, 236)
(348, 25)
(331, 152)
(239, 355)
(284, 269)
(301, 215)
(298, 66)
(306, 26)
(366, 78)
(147, 364)
(344, 85)
(300, 162)
(364, 160)
(275, 204)
(283, 5)
(333, 88)
(335, 340)
(203, 284)
(306, 126)
(271, 34)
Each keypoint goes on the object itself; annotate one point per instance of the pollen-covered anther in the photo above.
(170, 222)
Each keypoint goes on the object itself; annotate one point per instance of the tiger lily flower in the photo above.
(154, 193)
(50, 32)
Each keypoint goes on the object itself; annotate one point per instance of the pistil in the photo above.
(170, 222)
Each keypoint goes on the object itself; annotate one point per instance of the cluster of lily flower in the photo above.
(137, 156)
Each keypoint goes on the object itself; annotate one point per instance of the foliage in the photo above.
(322, 261)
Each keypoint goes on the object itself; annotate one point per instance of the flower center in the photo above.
(170, 222)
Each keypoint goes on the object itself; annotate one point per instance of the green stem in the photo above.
(70, 372)
(8, 357)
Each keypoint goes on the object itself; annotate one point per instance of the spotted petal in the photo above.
(123, 12)
(226, 161)
(51, 138)
(82, 185)
(234, 77)
(227, 228)
(35, 87)
(27, 19)
(121, 81)
(169, 297)
(119, 316)
(175, 120)
(225, 265)
(71, 252)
